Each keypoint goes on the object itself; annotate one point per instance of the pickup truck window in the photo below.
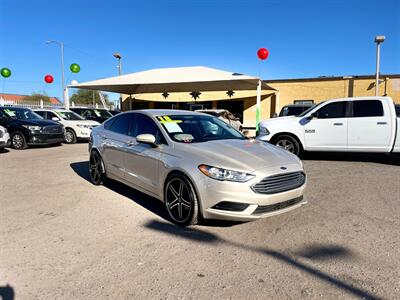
(333, 110)
(367, 108)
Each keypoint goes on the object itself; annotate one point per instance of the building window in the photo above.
(307, 101)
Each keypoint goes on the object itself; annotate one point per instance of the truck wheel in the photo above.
(289, 143)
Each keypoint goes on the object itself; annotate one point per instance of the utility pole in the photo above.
(379, 39)
(118, 57)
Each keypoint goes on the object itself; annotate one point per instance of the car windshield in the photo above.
(310, 109)
(198, 128)
(69, 115)
(21, 113)
(293, 110)
(102, 113)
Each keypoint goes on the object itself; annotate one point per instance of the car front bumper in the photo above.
(83, 133)
(213, 193)
(46, 139)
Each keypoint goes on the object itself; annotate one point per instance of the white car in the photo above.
(359, 124)
(4, 138)
(76, 128)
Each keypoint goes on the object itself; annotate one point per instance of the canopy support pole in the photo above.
(258, 105)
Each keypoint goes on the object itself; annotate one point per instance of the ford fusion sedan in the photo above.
(28, 128)
(76, 127)
(197, 165)
(4, 138)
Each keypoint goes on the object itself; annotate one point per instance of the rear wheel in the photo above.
(96, 170)
(288, 143)
(181, 200)
(18, 141)
(70, 136)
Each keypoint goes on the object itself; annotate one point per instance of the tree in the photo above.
(36, 97)
(82, 96)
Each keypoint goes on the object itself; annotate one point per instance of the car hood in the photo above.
(38, 122)
(85, 122)
(241, 155)
(279, 120)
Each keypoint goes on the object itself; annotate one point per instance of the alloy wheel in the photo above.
(95, 168)
(18, 141)
(178, 200)
(286, 144)
(69, 137)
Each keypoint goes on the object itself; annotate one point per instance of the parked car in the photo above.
(397, 107)
(294, 109)
(114, 112)
(179, 158)
(4, 138)
(225, 116)
(28, 128)
(93, 114)
(76, 127)
(362, 124)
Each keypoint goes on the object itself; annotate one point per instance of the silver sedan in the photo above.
(197, 165)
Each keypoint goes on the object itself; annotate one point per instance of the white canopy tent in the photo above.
(183, 79)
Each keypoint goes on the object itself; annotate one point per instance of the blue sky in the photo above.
(305, 38)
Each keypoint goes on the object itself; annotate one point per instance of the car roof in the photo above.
(211, 110)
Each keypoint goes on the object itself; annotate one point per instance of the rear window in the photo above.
(367, 108)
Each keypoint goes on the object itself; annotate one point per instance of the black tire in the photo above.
(181, 200)
(18, 141)
(70, 136)
(96, 168)
(289, 143)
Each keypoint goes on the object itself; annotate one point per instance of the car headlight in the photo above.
(225, 174)
(84, 126)
(32, 127)
(263, 131)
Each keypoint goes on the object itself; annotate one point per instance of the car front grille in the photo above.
(280, 183)
(277, 206)
(56, 129)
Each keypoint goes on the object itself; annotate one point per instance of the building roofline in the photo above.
(328, 78)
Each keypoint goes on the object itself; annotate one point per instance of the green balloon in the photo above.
(75, 68)
(5, 72)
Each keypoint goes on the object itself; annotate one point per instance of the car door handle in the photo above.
(381, 123)
(130, 143)
(337, 124)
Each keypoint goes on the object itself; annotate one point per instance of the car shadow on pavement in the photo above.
(386, 159)
(7, 292)
(312, 252)
(152, 204)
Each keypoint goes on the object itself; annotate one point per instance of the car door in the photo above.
(113, 140)
(327, 131)
(370, 128)
(142, 160)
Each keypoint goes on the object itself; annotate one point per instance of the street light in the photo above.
(118, 57)
(379, 39)
(65, 96)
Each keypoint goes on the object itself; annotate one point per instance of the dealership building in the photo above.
(206, 88)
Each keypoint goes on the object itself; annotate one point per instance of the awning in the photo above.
(169, 80)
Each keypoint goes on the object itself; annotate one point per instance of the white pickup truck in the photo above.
(361, 124)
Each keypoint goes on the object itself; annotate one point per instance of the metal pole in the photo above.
(119, 74)
(258, 105)
(378, 50)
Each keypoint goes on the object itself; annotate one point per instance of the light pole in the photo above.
(379, 39)
(118, 57)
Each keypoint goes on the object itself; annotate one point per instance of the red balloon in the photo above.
(262, 53)
(48, 78)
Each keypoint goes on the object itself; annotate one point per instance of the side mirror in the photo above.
(147, 139)
(314, 115)
(55, 119)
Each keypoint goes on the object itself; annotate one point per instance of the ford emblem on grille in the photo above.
(283, 168)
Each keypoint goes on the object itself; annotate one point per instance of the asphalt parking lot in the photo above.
(63, 238)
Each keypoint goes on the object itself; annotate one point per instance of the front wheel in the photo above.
(18, 141)
(288, 143)
(70, 136)
(181, 200)
(96, 171)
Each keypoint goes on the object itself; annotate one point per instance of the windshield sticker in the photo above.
(10, 113)
(62, 114)
(167, 119)
(184, 137)
(97, 113)
(172, 127)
